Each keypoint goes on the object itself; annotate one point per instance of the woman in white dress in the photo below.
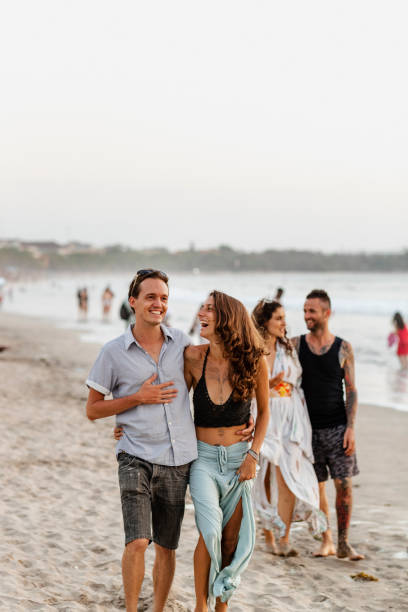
(286, 488)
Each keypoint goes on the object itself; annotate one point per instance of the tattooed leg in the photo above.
(344, 502)
(327, 546)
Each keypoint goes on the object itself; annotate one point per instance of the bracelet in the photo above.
(253, 454)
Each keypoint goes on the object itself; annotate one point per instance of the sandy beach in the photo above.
(61, 527)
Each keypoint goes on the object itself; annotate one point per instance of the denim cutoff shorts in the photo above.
(153, 498)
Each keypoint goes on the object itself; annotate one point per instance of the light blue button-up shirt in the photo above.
(158, 433)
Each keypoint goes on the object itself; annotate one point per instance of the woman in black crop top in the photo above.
(225, 375)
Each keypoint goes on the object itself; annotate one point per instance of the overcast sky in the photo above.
(258, 124)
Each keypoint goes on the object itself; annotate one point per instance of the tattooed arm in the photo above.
(347, 362)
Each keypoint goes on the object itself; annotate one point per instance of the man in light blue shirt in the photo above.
(162, 433)
(143, 369)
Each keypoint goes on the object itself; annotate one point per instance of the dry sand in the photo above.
(61, 540)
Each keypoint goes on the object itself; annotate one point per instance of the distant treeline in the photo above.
(16, 261)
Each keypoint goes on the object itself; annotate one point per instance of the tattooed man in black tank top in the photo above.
(327, 361)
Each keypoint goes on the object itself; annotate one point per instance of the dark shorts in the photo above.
(329, 454)
(152, 499)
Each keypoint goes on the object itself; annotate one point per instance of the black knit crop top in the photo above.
(207, 414)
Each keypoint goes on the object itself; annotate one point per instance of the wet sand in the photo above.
(61, 529)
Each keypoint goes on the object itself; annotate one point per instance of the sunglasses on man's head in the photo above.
(147, 271)
(142, 274)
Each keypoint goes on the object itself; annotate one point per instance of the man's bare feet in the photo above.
(345, 551)
(326, 549)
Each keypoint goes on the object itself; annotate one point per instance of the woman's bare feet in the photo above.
(285, 550)
(326, 549)
(270, 544)
(271, 548)
(345, 551)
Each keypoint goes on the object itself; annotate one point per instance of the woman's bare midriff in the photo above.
(224, 436)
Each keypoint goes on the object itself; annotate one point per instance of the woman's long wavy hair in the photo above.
(262, 313)
(243, 346)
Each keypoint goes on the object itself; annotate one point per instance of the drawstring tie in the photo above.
(222, 458)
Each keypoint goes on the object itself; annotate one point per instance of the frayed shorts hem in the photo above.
(132, 538)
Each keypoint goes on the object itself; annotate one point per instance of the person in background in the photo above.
(400, 335)
(82, 296)
(107, 297)
(126, 313)
(279, 294)
(286, 488)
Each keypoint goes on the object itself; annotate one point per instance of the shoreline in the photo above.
(74, 326)
(62, 537)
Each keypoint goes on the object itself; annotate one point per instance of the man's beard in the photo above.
(315, 326)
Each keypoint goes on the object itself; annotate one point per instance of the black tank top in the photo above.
(208, 414)
(322, 383)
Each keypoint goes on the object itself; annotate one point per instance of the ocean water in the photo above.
(363, 305)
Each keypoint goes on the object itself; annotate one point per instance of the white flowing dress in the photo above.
(288, 444)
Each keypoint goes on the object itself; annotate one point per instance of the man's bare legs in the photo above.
(133, 570)
(327, 546)
(163, 574)
(286, 504)
(344, 502)
(268, 533)
(202, 560)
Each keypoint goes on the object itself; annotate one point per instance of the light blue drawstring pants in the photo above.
(216, 491)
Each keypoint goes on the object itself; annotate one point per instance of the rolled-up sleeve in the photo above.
(101, 377)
